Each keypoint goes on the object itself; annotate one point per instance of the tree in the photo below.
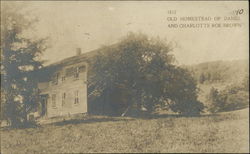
(19, 58)
(214, 99)
(202, 78)
(139, 73)
(233, 97)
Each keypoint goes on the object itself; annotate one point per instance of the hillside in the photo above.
(225, 132)
(219, 75)
(220, 71)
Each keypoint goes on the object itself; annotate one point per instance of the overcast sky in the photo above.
(89, 25)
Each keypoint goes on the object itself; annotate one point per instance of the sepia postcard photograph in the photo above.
(124, 77)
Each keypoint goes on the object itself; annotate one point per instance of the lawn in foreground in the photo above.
(226, 132)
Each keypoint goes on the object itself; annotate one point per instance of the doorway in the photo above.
(44, 101)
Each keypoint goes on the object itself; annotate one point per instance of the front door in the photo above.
(44, 105)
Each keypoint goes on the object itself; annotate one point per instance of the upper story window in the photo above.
(55, 78)
(54, 100)
(76, 73)
(82, 68)
(76, 97)
(69, 71)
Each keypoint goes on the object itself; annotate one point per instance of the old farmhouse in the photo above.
(63, 87)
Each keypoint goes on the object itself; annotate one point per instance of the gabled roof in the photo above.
(75, 59)
(45, 73)
(82, 57)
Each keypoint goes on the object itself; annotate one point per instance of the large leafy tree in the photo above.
(139, 73)
(19, 59)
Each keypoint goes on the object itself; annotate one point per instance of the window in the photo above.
(54, 100)
(76, 97)
(76, 73)
(63, 78)
(55, 78)
(69, 71)
(82, 68)
(63, 99)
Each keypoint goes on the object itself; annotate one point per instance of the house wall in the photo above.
(69, 86)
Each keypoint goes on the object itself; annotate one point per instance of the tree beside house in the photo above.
(19, 58)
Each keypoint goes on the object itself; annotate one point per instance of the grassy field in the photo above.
(225, 132)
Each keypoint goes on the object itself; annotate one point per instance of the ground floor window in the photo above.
(76, 97)
(54, 100)
(63, 99)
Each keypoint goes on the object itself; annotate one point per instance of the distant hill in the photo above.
(220, 71)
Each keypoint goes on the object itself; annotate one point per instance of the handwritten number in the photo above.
(238, 12)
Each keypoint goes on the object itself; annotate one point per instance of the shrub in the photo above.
(231, 98)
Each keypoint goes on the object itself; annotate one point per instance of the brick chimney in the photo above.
(78, 51)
